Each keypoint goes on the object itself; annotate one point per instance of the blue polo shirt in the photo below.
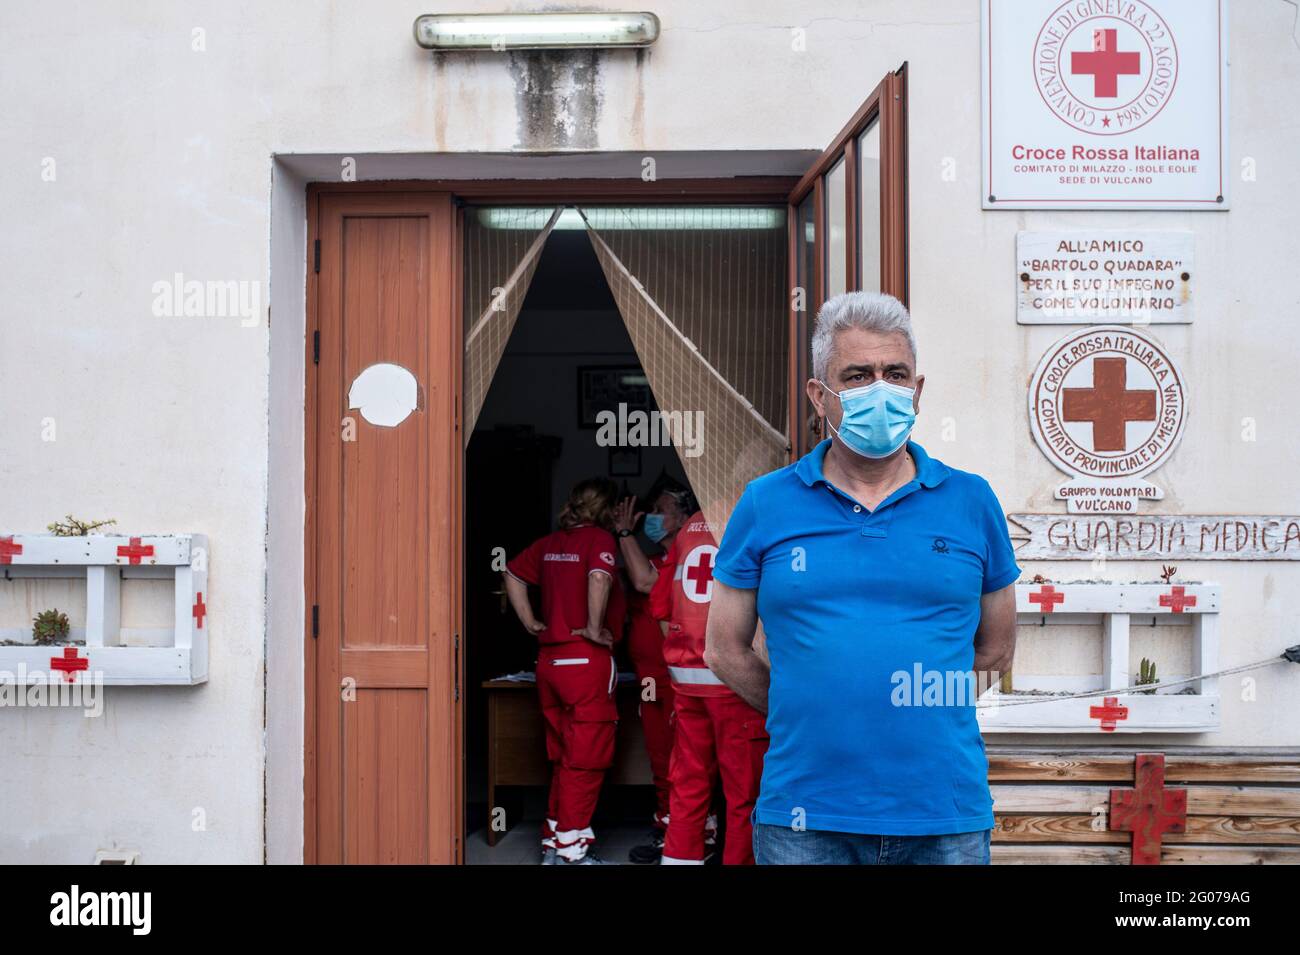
(870, 621)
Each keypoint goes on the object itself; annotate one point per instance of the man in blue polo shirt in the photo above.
(883, 579)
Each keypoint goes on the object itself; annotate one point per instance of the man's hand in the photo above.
(534, 626)
(626, 515)
(598, 635)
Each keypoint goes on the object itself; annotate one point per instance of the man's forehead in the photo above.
(860, 346)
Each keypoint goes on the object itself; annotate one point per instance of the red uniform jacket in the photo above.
(681, 596)
(559, 564)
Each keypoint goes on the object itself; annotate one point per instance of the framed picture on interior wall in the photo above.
(624, 462)
(605, 387)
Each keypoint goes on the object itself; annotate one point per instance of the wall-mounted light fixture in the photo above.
(534, 31)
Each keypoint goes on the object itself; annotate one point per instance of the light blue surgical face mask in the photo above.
(654, 527)
(877, 418)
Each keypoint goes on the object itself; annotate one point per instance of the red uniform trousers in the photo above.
(645, 645)
(715, 736)
(575, 685)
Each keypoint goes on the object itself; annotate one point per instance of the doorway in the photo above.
(385, 689)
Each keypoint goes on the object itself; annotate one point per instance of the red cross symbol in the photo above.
(1108, 713)
(1108, 404)
(1047, 598)
(8, 548)
(1148, 810)
(69, 663)
(1177, 599)
(200, 610)
(1105, 63)
(701, 573)
(135, 551)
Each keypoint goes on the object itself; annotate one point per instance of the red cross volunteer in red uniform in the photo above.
(716, 733)
(574, 568)
(645, 643)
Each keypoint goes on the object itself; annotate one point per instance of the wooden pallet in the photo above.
(1242, 808)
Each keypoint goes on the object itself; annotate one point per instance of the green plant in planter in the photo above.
(50, 627)
(73, 527)
(1147, 674)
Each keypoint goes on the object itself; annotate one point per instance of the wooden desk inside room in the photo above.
(516, 753)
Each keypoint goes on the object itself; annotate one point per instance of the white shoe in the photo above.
(589, 859)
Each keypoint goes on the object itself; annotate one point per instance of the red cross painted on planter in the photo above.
(199, 610)
(1109, 712)
(134, 550)
(1109, 405)
(69, 663)
(1177, 599)
(1047, 598)
(1148, 810)
(1105, 63)
(8, 548)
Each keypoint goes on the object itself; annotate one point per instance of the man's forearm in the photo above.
(743, 671)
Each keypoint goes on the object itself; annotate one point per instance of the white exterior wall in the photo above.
(165, 164)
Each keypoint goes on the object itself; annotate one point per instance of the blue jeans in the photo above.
(782, 845)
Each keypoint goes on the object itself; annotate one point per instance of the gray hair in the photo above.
(872, 311)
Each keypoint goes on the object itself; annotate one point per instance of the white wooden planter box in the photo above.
(103, 561)
(1113, 606)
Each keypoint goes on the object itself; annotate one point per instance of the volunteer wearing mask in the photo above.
(645, 643)
(868, 561)
(583, 611)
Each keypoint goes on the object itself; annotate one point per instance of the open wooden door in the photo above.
(383, 462)
(848, 229)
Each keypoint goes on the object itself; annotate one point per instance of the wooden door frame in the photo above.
(748, 190)
(887, 106)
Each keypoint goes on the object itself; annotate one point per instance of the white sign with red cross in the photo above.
(697, 573)
(1107, 405)
(1114, 104)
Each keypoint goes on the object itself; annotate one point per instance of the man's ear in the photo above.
(817, 395)
(916, 395)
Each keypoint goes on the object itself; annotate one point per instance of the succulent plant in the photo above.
(1147, 674)
(49, 627)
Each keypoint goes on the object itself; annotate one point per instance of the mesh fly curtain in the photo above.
(702, 292)
(502, 247)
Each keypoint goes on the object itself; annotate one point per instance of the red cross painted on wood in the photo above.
(1177, 599)
(1148, 810)
(1108, 405)
(1109, 712)
(199, 610)
(134, 550)
(1047, 598)
(1106, 63)
(69, 663)
(8, 548)
(701, 573)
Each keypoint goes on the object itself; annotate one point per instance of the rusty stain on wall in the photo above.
(558, 98)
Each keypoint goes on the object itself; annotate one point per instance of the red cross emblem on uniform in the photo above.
(697, 574)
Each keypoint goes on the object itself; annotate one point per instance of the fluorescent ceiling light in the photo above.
(638, 217)
(534, 31)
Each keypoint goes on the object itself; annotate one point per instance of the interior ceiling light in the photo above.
(637, 217)
(534, 31)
